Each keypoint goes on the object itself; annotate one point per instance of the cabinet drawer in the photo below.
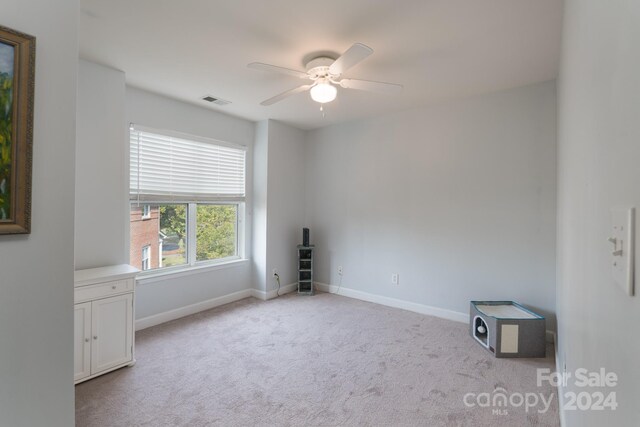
(86, 293)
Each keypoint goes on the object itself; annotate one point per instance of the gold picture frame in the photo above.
(17, 80)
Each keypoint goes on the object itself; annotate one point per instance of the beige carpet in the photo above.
(324, 360)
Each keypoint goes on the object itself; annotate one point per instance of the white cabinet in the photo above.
(103, 320)
(82, 341)
(111, 320)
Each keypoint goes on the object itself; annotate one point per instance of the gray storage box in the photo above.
(507, 329)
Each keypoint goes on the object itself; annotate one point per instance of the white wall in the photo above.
(279, 203)
(101, 174)
(163, 294)
(286, 201)
(36, 279)
(598, 156)
(260, 171)
(458, 199)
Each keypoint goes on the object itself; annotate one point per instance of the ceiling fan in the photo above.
(325, 74)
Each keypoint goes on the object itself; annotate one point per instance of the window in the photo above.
(216, 236)
(145, 258)
(146, 212)
(187, 198)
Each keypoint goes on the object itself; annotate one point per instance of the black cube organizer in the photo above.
(507, 329)
(305, 269)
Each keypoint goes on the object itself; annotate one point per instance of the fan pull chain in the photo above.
(322, 110)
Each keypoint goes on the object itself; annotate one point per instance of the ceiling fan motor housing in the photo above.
(319, 67)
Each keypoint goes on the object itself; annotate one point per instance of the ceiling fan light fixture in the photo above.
(323, 92)
(324, 74)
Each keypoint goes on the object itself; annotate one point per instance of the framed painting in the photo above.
(17, 75)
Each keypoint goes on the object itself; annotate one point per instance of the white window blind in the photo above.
(169, 168)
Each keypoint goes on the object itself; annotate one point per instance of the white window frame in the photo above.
(191, 236)
(192, 265)
(146, 211)
(147, 249)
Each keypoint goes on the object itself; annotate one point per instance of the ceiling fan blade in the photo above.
(275, 69)
(351, 57)
(283, 95)
(380, 87)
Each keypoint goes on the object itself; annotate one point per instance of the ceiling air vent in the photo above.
(215, 100)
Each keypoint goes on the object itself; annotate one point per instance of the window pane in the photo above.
(145, 258)
(216, 234)
(164, 234)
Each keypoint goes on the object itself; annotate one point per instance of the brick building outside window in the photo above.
(144, 223)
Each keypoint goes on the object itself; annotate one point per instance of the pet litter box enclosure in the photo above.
(507, 329)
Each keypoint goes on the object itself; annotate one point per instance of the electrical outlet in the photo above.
(395, 279)
(340, 270)
(275, 271)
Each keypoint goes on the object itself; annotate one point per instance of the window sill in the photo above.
(157, 276)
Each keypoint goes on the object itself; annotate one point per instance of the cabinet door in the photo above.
(112, 330)
(81, 341)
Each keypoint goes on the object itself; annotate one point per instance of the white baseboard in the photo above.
(273, 293)
(406, 305)
(397, 303)
(156, 319)
(177, 313)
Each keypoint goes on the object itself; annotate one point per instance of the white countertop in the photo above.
(104, 274)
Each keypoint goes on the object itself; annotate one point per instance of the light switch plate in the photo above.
(622, 248)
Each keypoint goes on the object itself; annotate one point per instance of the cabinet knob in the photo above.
(86, 340)
(113, 287)
(95, 337)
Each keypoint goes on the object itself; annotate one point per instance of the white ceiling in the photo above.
(437, 49)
